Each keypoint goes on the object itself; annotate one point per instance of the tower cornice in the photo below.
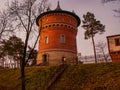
(62, 11)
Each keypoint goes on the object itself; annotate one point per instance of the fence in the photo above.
(91, 59)
(9, 62)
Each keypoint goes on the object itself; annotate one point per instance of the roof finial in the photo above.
(58, 7)
(48, 9)
(58, 4)
(73, 11)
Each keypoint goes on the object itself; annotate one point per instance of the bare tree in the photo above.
(5, 24)
(24, 13)
(100, 49)
(115, 10)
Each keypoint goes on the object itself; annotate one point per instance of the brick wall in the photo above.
(53, 26)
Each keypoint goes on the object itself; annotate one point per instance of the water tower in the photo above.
(58, 32)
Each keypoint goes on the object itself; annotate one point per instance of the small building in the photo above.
(114, 47)
(58, 30)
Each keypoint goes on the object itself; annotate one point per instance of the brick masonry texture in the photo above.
(54, 25)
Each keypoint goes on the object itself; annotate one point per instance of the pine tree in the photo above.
(92, 27)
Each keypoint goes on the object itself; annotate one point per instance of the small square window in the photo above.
(117, 41)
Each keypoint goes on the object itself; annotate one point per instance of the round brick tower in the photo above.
(58, 30)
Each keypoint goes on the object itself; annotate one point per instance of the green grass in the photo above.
(35, 78)
(90, 77)
(76, 77)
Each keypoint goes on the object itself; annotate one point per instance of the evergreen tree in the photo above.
(92, 27)
(12, 48)
(13, 45)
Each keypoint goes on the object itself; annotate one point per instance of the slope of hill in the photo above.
(90, 77)
(75, 77)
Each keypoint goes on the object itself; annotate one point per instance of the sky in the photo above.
(102, 12)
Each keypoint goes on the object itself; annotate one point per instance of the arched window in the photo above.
(44, 57)
(63, 60)
(46, 40)
(62, 38)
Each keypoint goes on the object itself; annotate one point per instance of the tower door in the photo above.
(44, 58)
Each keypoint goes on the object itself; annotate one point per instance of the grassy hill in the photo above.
(75, 77)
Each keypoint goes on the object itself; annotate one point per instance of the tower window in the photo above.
(62, 38)
(44, 57)
(46, 40)
(117, 41)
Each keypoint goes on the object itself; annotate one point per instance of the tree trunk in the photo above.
(23, 76)
(94, 49)
(32, 49)
(23, 62)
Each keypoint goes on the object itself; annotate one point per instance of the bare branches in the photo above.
(100, 49)
(42, 7)
(117, 11)
(25, 12)
(5, 24)
(106, 1)
(24, 15)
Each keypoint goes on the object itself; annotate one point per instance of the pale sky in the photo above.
(104, 13)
